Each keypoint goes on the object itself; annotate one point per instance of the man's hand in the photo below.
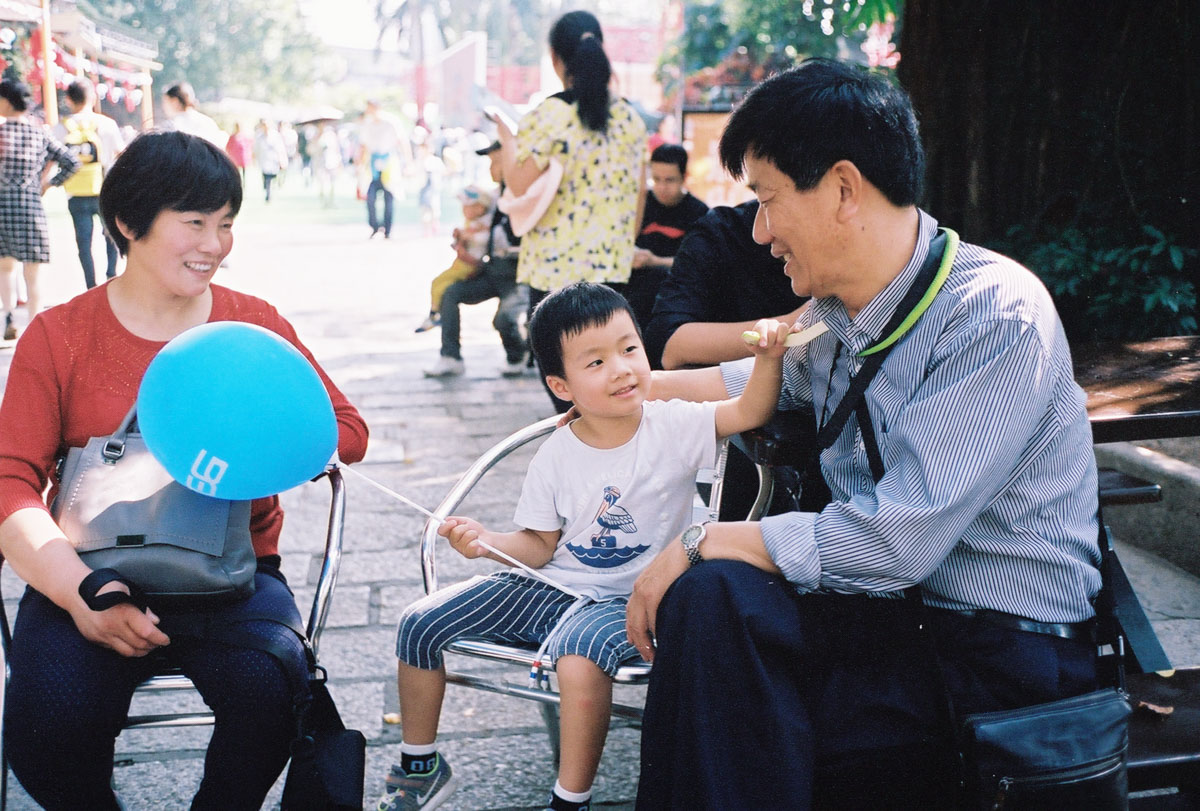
(642, 258)
(463, 534)
(124, 628)
(648, 591)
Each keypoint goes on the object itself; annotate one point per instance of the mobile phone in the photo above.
(495, 114)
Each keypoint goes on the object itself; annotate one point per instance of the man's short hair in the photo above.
(671, 153)
(166, 170)
(808, 118)
(568, 312)
(79, 91)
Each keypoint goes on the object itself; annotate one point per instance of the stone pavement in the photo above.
(355, 302)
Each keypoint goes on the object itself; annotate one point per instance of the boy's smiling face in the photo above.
(606, 372)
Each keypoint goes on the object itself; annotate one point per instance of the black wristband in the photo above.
(97, 580)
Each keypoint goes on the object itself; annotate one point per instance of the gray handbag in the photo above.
(122, 511)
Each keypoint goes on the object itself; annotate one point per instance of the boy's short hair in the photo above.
(809, 117)
(568, 312)
(671, 153)
(166, 170)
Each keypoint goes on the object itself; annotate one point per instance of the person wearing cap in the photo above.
(495, 277)
(470, 244)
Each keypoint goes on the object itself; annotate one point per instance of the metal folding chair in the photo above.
(636, 673)
(172, 681)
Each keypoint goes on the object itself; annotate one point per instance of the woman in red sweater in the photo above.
(168, 202)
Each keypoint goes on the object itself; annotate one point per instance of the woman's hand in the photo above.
(124, 628)
(503, 133)
(463, 534)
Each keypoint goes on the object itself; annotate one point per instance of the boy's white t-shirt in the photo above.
(617, 507)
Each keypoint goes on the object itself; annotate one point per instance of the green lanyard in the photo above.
(939, 279)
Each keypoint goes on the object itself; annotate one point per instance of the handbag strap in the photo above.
(114, 447)
(1106, 619)
(90, 586)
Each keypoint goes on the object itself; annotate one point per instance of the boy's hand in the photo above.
(772, 335)
(463, 534)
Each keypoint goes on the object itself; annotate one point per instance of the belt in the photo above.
(1065, 630)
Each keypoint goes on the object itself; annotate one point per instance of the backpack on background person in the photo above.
(83, 140)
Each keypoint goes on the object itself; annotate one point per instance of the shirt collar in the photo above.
(866, 328)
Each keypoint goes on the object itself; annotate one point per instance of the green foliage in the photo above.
(1111, 285)
(708, 36)
(759, 37)
(257, 49)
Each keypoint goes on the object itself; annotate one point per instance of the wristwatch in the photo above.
(691, 538)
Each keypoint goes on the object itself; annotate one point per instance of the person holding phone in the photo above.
(598, 140)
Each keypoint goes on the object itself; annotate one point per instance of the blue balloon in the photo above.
(233, 410)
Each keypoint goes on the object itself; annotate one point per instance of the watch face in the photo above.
(692, 533)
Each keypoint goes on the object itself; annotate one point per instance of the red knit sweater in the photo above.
(75, 374)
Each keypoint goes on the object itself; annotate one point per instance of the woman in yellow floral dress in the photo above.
(587, 232)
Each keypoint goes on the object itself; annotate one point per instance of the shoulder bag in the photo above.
(123, 512)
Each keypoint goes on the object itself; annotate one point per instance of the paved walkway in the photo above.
(355, 303)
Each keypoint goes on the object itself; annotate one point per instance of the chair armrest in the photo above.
(464, 485)
(783, 440)
(332, 561)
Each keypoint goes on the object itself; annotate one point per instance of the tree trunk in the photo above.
(1054, 114)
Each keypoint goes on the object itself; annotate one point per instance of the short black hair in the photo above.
(79, 91)
(808, 118)
(15, 93)
(183, 93)
(671, 153)
(166, 170)
(568, 312)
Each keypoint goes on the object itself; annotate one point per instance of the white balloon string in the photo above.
(440, 519)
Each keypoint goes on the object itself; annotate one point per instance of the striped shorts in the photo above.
(512, 609)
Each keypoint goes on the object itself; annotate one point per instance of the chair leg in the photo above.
(550, 716)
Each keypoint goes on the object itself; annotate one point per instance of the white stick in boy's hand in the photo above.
(793, 339)
(464, 537)
(769, 337)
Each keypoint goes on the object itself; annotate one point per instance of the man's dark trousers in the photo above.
(475, 290)
(376, 186)
(763, 698)
(83, 209)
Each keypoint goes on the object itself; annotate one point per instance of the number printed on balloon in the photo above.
(205, 483)
(236, 404)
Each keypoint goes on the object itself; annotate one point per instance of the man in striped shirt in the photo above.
(782, 679)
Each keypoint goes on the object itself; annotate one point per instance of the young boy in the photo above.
(470, 244)
(602, 496)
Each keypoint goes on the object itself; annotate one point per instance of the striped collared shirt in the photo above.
(989, 495)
